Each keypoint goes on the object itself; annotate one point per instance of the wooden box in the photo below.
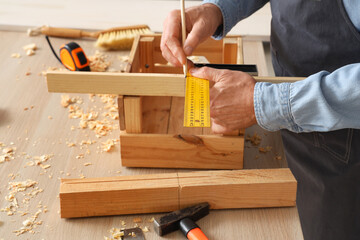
(152, 126)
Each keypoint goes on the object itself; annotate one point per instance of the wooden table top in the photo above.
(36, 135)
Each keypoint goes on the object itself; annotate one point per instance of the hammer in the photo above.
(185, 220)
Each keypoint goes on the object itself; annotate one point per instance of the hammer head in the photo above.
(170, 222)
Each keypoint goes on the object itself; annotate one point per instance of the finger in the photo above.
(218, 128)
(172, 34)
(194, 37)
(176, 49)
(167, 54)
(210, 74)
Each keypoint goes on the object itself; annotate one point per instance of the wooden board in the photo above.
(119, 195)
(181, 151)
(138, 84)
(168, 192)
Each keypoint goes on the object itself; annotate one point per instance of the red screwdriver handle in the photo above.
(196, 234)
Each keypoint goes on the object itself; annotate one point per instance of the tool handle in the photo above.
(64, 32)
(196, 234)
(191, 230)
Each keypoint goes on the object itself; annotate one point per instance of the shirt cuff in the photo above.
(272, 107)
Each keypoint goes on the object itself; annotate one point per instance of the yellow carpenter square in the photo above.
(197, 103)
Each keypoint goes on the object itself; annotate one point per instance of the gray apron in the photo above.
(309, 36)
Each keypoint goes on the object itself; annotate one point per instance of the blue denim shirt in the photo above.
(321, 102)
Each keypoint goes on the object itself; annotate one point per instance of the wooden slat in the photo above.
(119, 195)
(181, 151)
(146, 46)
(120, 102)
(133, 114)
(138, 84)
(134, 59)
(168, 192)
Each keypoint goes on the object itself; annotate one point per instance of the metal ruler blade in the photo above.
(197, 103)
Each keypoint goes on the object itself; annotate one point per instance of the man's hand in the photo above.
(231, 98)
(201, 23)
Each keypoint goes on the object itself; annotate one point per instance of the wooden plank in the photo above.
(133, 114)
(134, 59)
(120, 102)
(138, 84)
(119, 195)
(181, 151)
(146, 46)
(168, 192)
(258, 188)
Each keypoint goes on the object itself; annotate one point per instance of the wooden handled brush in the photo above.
(118, 38)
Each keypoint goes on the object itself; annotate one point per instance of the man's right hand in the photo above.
(201, 23)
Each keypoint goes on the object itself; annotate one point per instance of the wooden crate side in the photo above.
(123, 195)
(156, 112)
(181, 151)
(239, 188)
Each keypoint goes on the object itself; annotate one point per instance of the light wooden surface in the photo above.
(45, 128)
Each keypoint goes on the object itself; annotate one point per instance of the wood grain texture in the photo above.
(181, 151)
(138, 84)
(239, 189)
(169, 192)
(119, 195)
(120, 102)
(133, 114)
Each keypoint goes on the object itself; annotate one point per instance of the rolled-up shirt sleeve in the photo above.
(234, 11)
(322, 102)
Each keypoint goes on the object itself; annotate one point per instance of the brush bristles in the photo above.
(120, 40)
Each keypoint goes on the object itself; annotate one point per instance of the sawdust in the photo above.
(99, 62)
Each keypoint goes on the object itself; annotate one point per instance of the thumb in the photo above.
(210, 74)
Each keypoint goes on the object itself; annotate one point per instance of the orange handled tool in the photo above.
(191, 230)
(72, 56)
(183, 219)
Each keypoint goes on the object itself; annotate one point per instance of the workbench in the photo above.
(33, 123)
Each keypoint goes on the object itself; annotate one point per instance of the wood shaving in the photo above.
(31, 46)
(30, 52)
(16, 55)
(7, 154)
(265, 149)
(145, 229)
(109, 144)
(137, 220)
(87, 164)
(99, 62)
(29, 224)
(255, 139)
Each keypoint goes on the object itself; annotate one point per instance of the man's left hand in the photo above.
(231, 98)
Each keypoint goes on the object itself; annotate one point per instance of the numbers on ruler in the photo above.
(197, 103)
